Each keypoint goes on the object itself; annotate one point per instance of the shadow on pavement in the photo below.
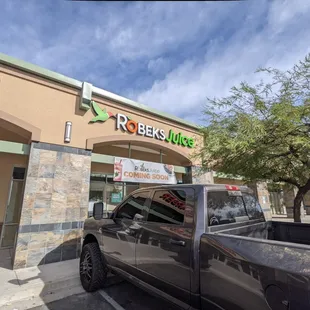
(89, 301)
(6, 259)
(58, 286)
(56, 276)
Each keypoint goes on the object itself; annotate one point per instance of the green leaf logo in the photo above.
(102, 115)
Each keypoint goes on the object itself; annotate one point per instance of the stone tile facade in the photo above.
(264, 199)
(55, 205)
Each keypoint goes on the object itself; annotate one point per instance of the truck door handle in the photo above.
(177, 242)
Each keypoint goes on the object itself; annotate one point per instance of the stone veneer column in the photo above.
(55, 205)
(264, 199)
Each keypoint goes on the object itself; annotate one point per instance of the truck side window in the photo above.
(132, 206)
(168, 206)
(225, 209)
(253, 207)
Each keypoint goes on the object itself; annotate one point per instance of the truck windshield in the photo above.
(224, 208)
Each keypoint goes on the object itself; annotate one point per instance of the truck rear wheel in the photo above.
(93, 270)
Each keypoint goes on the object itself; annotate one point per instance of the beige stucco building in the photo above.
(58, 141)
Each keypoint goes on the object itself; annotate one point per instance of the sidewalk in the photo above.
(37, 285)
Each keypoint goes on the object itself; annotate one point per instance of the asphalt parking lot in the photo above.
(124, 296)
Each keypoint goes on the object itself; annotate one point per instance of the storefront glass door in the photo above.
(104, 189)
(12, 216)
(113, 195)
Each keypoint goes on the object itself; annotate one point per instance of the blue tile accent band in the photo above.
(61, 148)
(50, 227)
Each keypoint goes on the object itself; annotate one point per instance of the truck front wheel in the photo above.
(93, 270)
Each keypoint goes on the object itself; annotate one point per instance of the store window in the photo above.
(8, 231)
(104, 189)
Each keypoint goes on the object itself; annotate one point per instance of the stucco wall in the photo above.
(7, 135)
(47, 106)
(102, 168)
(167, 158)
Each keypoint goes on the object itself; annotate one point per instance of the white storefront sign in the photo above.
(131, 170)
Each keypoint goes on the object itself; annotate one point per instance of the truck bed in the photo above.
(298, 233)
(248, 264)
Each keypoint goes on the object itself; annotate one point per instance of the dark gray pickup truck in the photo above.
(200, 247)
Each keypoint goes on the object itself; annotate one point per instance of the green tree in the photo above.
(262, 132)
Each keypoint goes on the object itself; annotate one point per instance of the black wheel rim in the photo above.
(86, 267)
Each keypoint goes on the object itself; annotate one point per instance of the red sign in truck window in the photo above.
(176, 202)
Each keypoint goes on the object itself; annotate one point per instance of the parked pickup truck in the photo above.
(200, 247)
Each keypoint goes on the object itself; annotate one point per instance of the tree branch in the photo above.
(290, 181)
(294, 152)
(304, 189)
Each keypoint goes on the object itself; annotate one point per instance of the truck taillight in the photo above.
(232, 188)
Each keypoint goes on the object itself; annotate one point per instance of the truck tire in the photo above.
(93, 269)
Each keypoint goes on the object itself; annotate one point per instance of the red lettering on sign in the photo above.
(174, 201)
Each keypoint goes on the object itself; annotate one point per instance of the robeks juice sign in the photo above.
(127, 124)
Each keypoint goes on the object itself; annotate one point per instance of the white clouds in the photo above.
(283, 12)
(147, 29)
(158, 65)
(185, 88)
(179, 52)
(112, 32)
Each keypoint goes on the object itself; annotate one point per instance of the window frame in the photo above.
(214, 228)
(131, 195)
(256, 202)
(150, 203)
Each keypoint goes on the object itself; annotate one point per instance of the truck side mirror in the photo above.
(98, 210)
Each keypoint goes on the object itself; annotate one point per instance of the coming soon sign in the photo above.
(131, 170)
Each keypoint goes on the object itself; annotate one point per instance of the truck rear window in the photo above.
(224, 208)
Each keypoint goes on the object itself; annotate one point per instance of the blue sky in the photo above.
(168, 55)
